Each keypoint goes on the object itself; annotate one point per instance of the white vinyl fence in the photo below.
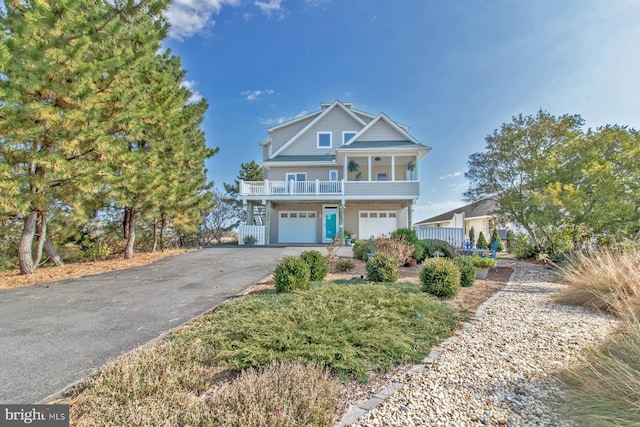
(453, 236)
(256, 231)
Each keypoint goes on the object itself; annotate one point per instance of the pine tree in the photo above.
(59, 60)
(496, 237)
(482, 242)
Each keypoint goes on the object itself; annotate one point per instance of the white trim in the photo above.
(354, 132)
(324, 223)
(292, 121)
(315, 121)
(324, 132)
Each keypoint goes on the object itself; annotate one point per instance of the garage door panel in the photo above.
(377, 223)
(297, 227)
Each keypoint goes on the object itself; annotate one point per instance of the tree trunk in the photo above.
(163, 224)
(125, 222)
(25, 257)
(154, 244)
(42, 236)
(131, 233)
(54, 257)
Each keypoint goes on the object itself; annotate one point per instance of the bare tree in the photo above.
(222, 219)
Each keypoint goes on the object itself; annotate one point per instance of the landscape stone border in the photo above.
(363, 408)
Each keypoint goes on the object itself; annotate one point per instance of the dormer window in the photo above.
(347, 135)
(324, 139)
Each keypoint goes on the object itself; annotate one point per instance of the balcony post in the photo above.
(342, 186)
(369, 168)
(393, 168)
(242, 189)
(317, 187)
(266, 186)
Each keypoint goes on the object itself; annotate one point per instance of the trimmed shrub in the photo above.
(495, 236)
(440, 277)
(467, 271)
(344, 264)
(479, 262)
(434, 246)
(411, 237)
(318, 265)
(361, 248)
(482, 242)
(382, 268)
(291, 274)
(472, 235)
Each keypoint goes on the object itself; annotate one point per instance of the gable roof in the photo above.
(383, 117)
(322, 114)
(483, 207)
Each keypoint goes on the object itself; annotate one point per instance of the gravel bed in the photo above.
(498, 370)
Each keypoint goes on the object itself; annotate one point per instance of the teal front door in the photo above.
(330, 226)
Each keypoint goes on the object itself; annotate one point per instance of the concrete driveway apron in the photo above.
(58, 333)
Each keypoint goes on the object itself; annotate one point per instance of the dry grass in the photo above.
(605, 389)
(172, 385)
(12, 278)
(604, 281)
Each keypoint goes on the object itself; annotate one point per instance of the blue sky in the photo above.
(452, 70)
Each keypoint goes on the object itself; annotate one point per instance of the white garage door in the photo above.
(297, 227)
(377, 223)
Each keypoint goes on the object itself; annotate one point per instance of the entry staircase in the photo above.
(259, 214)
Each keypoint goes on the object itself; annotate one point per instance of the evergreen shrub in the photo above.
(440, 277)
(467, 271)
(318, 265)
(382, 268)
(291, 274)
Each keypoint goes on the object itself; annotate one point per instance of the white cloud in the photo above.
(195, 95)
(452, 175)
(271, 7)
(280, 120)
(254, 95)
(188, 17)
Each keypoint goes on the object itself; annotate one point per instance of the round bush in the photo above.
(291, 274)
(467, 271)
(382, 268)
(440, 277)
(362, 248)
(479, 262)
(318, 265)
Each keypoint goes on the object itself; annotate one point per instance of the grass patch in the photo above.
(350, 329)
(267, 359)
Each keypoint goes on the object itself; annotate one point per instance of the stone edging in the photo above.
(363, 408)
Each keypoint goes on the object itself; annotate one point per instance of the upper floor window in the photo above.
(347, 135)
(324, 139)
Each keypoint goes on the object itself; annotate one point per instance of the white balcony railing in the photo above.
(310, 189)
(292, 188)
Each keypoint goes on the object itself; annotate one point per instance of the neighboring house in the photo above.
(478, 215)
(333, 171)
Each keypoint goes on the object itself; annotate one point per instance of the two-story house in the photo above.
(333, 171)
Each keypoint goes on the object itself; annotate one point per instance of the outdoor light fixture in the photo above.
(377, 159)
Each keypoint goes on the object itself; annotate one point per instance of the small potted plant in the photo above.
(250, 239)
(482, 266)
(349, 238)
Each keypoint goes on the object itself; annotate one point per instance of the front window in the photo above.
(333, 175)
(324, 139)
(382, 176)
(296, 176)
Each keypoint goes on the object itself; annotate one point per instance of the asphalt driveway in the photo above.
(56, 334)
